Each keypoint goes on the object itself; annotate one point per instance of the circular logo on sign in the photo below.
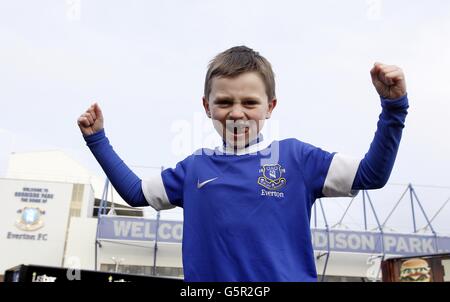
(30, 219)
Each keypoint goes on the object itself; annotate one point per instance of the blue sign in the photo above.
(141, 229)
(376, 243)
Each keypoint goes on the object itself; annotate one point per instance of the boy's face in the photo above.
(238, 107)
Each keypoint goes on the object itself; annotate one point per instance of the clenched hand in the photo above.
(91, 121)
(389, 80)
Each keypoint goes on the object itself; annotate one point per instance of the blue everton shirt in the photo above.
(247, 214)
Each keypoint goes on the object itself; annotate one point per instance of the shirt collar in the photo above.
(252, 147)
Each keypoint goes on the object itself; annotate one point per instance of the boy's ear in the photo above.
(206, 106)
(272, 105)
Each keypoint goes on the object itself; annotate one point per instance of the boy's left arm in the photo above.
(374, 170)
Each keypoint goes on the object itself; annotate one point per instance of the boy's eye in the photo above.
(223, 102)
(226, 102)
(250, 102)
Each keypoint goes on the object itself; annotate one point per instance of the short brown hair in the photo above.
(236, 61)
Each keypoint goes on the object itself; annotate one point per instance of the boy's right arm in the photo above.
(127, 183)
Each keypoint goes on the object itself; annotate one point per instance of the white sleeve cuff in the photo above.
(340, 177)
(155, 193)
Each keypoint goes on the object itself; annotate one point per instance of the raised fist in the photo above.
(389, 80)
(91, 121)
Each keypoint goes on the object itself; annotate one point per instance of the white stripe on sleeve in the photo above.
(340, 177)
(155, 193)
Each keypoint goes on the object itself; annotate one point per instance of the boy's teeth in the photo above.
(238, 129)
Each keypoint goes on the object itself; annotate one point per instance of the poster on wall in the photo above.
(427, 268)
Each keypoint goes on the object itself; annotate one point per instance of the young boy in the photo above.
(247, 204)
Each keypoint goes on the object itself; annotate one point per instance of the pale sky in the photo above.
(144, 62)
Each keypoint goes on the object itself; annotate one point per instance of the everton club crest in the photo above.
(30, 219)
(272, 177)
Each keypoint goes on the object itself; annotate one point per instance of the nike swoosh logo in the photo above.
(203, 183)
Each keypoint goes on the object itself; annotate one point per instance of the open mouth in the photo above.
(238, 131)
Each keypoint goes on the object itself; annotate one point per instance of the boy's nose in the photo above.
(236, 113)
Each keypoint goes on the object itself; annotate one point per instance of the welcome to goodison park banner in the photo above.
(141, 229)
